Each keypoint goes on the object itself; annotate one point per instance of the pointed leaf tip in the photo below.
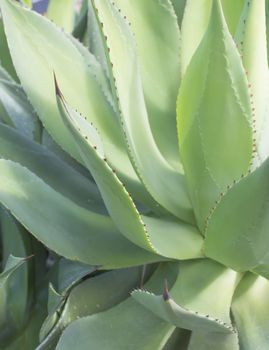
(56, 85)
(166, 295)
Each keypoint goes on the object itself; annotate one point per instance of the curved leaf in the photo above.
(49, 49)
(127, 325)
(62, 13)
(251, 41)
(214, 117)
(213, 341)
(52, 170)
(189, 303)
(157, 44)
(5, 58)
(145, 232)
(250, 305)
(164, 183)
(19, 110)
(241, 242)
(91, 297)
(63, 226)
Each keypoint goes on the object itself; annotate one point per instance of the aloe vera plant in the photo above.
(134, 175)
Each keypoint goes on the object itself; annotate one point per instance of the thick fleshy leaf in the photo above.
(28, 337)
(52, 170)
(214, 117)
(179, 6)
(189, 303)
(95, 39)
(65, 274)
(249, 309)
(127, 325)
(213, 341)
(164, 183)
(252, 44)
(16, 242)
(157, 44)
(232, 12)
(194, 24)
(92, 296)
(241, 242)
(62, 13)
(146, 232)
(5, 59)
(56, 219)
(196, 20)
(19, 110)
(49, 49)
(8, 321)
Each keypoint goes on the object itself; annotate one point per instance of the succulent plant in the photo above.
(138, 157)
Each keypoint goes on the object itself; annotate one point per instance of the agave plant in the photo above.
(139, 159)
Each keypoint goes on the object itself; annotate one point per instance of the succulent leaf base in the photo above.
(134, 175)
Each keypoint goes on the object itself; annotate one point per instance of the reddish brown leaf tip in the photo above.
(166, 295)
(57, 89)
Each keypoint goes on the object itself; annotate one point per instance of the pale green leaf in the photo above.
(52, 170)
(33, 38)
(19, 110)
(92, 296)
(189, 302)
(241, 242)
(55, 219)
(62, 13)
(164, 183)
(213, 341)
(144, 231)
(126, 326)
(157, 44)
(214, 118)
(249, 309)
(5, 58)
(252, 44)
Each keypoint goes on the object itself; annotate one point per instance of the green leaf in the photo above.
(232, 12)
(16, 242)
(213, 341)
(8, 315)
(28, 338)
(189, 302)
(214, 118)
(52, 170)
(92, 296)
(157, 44)
(66, 273)
(249, 308)
(241, 242)
(179, 6)
(63, 226)
(5, 58)
(62, 13)
(194, 24)
(20, 113)
(146, 232)
(164, 183)
(252, 44)
(127, 325)
(49, 49)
